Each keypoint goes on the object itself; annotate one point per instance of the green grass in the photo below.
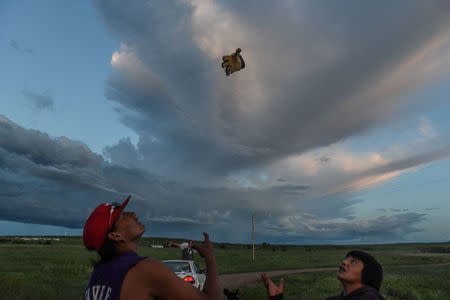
(237, 260)
(43, 271)
(415, 283)
(61, 270)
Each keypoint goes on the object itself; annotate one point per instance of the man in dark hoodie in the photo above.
(359, 273)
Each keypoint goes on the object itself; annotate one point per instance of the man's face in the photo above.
(128, 225)
(190, 244)
(350, 270)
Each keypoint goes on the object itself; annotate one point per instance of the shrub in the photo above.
(19, 241)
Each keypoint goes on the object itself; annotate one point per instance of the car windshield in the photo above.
(179, 266)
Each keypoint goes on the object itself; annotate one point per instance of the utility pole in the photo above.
(253, 236)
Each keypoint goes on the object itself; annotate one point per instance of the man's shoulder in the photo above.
(187, 249)
(365, 293)
(149, 262)
(370, 293)
(149, 272)
(149, 266)
(140, 279)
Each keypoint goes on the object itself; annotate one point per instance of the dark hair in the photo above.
(372, 273)
(108, 250)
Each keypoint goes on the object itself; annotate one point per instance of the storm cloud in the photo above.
(58, 181)
(307, 84)
(213, 150)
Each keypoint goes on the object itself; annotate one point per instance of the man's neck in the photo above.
(351, 287)
(123, 248)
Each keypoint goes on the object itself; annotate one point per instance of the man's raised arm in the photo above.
(175, 244)
(164, 284)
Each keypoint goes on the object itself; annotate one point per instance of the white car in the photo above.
(189, 271)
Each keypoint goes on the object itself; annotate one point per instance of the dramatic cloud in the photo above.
(307, 84)
(40, 100)
(57, 181)
(307, 228)
(269, 140)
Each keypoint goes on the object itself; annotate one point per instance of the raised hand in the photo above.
(206, 250)
(272, 289)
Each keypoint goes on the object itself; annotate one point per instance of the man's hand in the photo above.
(272, 289)
(206, 250)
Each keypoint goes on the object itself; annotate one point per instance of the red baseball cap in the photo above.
(100, 222)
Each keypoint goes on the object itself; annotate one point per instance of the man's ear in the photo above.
(115, 236)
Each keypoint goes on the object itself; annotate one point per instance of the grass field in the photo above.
(427, 283)
(61, 269)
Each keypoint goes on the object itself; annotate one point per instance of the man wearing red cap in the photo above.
(122, 274)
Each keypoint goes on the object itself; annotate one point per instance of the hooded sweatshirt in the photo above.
(364, 293)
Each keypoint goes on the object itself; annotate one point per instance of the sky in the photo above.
(336, 131)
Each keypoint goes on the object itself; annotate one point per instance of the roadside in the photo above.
(253, 279)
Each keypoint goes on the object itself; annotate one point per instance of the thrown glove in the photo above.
(233, 62)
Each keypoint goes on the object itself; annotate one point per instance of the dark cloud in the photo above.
(380, 229)
(40, 149)
(207, 142)
(123, 153)
(40, 100)
(45, 179)
(57, 181)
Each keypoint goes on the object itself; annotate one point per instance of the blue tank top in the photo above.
(106, 279)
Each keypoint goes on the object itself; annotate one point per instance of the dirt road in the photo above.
(253, 279)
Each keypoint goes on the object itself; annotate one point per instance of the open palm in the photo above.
(271, 288)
